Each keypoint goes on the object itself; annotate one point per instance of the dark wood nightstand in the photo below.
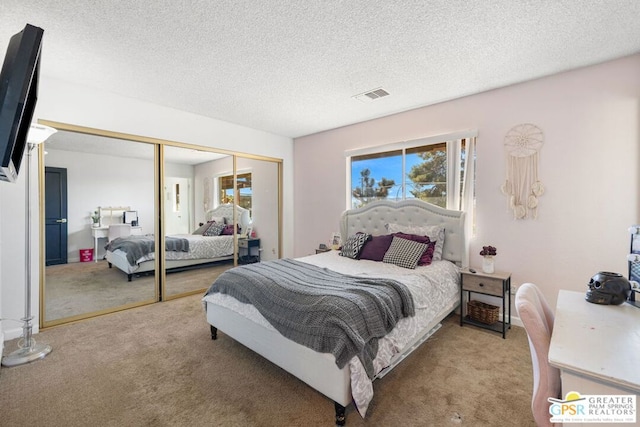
(248, 250)
(496, 284)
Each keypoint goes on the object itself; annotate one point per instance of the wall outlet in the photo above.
(514, 289)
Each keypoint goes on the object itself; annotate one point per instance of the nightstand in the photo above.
(497, 284)
(248, 250)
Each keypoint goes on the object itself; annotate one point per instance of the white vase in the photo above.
(487, 264)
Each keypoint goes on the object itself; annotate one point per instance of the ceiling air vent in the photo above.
(372, 95)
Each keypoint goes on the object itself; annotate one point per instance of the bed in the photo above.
(352, 383)
(181, 250)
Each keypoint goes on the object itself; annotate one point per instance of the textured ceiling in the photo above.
(292, 67)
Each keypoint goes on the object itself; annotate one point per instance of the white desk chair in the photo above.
(537, 317)
(118, 230)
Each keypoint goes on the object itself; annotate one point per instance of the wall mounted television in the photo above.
(18, 96)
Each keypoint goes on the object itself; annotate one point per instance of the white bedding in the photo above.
(434, 288)
(203, 247)
(200, 247)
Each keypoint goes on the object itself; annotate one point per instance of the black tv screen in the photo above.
(18, 95)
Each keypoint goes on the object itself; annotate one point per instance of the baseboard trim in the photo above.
(14, 333)
(515, 321)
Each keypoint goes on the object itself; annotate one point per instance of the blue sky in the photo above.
(385, 167)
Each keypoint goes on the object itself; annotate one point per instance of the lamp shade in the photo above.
(39, 133)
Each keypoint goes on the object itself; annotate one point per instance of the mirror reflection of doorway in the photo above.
(177, 212)
(55, 216)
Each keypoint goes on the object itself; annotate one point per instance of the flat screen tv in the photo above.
(18, 95)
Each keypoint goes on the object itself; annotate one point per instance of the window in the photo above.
(431, 169)
(225, 185)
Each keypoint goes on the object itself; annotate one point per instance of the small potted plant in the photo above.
(488, 252)
(95, 217)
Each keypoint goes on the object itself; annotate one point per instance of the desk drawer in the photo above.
(243, 243)
(485, 285)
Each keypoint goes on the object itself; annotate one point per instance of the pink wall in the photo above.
(588, 164)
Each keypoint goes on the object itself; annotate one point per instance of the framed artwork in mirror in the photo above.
(131, 217)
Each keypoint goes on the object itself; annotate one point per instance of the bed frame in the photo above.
(224, 210)
(324, 376)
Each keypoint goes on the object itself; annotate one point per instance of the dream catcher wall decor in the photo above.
(522, 186)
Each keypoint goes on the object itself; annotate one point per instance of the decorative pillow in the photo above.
(354, 244)
(376, 247)
(203, 228)
(228, 230)
(404, 253)
(435, 233)
(218, 219)
(214, 230)
(427, 256)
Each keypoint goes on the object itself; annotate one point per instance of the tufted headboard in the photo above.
(226, 210)
(373, 218)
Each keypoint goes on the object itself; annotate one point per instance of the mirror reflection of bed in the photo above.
(210, 245)
(107, 171)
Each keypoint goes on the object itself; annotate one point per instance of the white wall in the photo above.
(100, 180)
(68, 103)
(589, 165)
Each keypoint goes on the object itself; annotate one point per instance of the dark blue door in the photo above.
(55, 190)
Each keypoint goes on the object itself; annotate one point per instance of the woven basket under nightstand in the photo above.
(483, 312)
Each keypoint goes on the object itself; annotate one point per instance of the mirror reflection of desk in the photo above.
(596, 347)
(103, 233)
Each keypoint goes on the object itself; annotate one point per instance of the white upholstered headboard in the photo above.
(226, 210)
(373, 217)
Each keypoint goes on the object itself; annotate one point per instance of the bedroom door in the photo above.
(177, 212)
(55, 213)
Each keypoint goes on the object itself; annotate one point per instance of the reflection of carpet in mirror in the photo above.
(85, 287)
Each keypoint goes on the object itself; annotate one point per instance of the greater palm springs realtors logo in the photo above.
(594, 408)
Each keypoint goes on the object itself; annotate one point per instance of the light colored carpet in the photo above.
(86, 287)
(156, 365)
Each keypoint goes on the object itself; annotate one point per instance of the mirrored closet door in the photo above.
(234, 206)
(96, 189)
(102, 196)
(258, 188)
(198, 227)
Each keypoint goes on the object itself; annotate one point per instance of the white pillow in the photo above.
(433, 232)
(218, 219)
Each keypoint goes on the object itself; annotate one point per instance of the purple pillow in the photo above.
(228, 230)
(376, 247)
(427, 256)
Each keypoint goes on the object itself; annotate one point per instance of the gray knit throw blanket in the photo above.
(326, 311)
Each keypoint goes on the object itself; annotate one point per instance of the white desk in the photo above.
(103, 233)
(596, 347)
